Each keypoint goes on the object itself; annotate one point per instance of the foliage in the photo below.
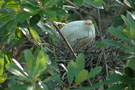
(31, 22)
(127, 44)
(27, 21)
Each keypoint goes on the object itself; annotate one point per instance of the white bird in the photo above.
(79, 33)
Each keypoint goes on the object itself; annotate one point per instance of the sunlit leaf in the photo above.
(82, 75)
(35, 35)
(3, 77)
(1, 63)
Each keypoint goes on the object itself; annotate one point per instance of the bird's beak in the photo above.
(89, 22)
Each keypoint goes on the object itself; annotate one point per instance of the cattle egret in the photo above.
(79, 33)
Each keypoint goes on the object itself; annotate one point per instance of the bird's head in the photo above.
(88, 22)
(89, 25)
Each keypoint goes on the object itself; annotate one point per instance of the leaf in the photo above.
(12, 29)
(35, 35)
(41, 62)
(21, 87)
(98, 1)
(89, 3)
(118, 87)
(54, 77)
(113, 78)
(31, 8)
(3, 78)
(71, 71)
(78, 2)
(126, 22)
(94, 72)
(50, 13)
(100, 44)
(80, 62)
(131, 63)
(132, 32)
(29, 59)
(112, 43)
(34, 20)
(51, 3)
(1, 63)
(12, 68)
(118, 33)
(22, 16)
(82, 75)
(125, 79)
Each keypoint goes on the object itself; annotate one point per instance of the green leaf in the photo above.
(113, 78)
(89, 3)
(131, 63)
(54, 77)
(71, 71)
(31, 8)
(12, 68)
(50, 13)
(94, 72)
(34, 20)
(41, 62)
(100, 44)
(118, 87)
(29, 59)
(78, 2)
(35, 35)
(82, 75)
(22, 16)
(24, 24)
(1, 63)
(118, 33)
(112, 43)
(51, 3)
(132, 32)
(12, 32)
(98, 1)
(125, 79)
(3, 77)
(126, 22)
(21, 87)
(80, 62)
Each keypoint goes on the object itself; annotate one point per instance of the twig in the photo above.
(101, 36)
(72, 4)
(66, 41)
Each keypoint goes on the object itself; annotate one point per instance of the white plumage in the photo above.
(79, 33)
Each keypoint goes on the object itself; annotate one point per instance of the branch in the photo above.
(64, 38)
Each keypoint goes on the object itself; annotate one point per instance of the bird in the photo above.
(79, 33)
